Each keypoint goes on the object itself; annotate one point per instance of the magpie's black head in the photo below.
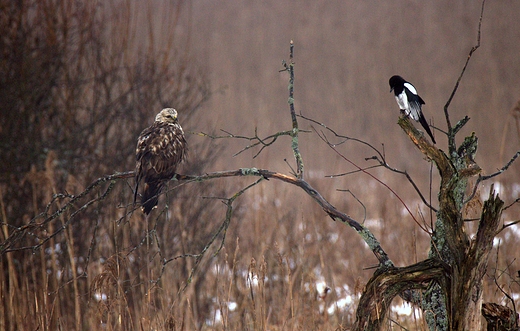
(396, 82)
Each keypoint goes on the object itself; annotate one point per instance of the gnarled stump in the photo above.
(499, 318)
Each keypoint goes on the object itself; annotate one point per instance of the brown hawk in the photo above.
(160, 149)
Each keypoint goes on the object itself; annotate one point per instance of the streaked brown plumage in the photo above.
(160, 149)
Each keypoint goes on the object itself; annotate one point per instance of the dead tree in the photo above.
(446, 286)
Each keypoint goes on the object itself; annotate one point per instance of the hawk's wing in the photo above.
(160, 149)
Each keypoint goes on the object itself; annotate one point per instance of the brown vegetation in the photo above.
(78, 81)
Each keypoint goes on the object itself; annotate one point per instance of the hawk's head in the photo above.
(167, 115)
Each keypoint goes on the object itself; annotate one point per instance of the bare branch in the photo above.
(20, 232)
(451, 132)
(221, 230)
(367, 236)
(483, 178)
(460, 124)
(505, 226)
(357, 170)
(517, 200)
(359, 201)
(264, 142)
(346, 138)
(378, 180)
(294, 134)
(380, 158)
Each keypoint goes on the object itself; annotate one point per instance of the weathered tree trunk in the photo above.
(466, 296)
(466, 258)
(447, 286)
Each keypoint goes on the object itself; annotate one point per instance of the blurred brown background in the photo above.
(79, 81)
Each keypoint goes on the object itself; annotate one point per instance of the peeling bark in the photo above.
(447, 286)
(499, 318)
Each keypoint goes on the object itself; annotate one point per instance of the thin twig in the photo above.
(380, 158)
(264, 142)
(451, 135)
(517, 200)
(375, 178)
(20, 232)
(359, 201)
(221, 229)
(505, 226)
(483, 178)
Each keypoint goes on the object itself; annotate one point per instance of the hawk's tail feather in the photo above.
(150, 196)
(135, 192)
(426, 127)
(138, 177)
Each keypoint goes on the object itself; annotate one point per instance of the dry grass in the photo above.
(111, 269)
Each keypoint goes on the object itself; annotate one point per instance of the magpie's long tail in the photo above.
(150, 196)
(426, 127)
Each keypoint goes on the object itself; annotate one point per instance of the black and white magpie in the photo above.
(409, 101)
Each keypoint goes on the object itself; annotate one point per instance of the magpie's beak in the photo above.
(391, 89)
